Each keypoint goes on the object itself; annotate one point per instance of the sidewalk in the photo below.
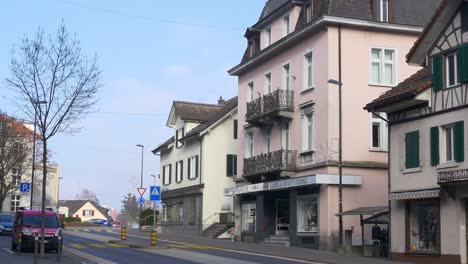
(67, 258)
(271, 250)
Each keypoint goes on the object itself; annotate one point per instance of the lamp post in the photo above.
(58, 192)
(340, 161)
(36, 104)
(141, 181)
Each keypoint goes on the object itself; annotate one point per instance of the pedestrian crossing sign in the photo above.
(155, 193)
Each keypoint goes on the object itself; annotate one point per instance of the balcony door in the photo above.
(285, 136)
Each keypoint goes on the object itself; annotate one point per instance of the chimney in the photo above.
(221, 100)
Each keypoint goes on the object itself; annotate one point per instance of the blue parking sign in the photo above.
(155, 193)
(25, 187)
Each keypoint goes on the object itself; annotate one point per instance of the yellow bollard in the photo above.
(154, 238)
(123, 233)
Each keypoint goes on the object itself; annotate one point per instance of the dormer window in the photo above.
(286, 25)
(382, 10)
(267, 37)
(251, 48)
(179, 135)
(452, 66)
(309, 10)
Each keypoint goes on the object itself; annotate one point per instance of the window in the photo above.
(379, 132)
(286, 25)
(179, 173)
(16, 177)
(267, 37)
(285, 136)
(167, 173)
(308, 72)
(267, 88)
(382, 10)
(14, 203)
(249, 145)
(449, 148)
(424, 229)
(250, 92)
(191, 209)
(231, 165)
(179, 135)
(308, 130)
(192, 167)
(307, 214)
(88, 212)
(452, 65)
(251, 48)
(248, 217)
(383, 66)
(267, 140)
(174, 212)
(235, 129)
(412, 150)
(286, 77)
(309, 13)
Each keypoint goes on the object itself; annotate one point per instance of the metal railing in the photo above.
(220, 218)
(279, 100)
(254, 109)
(270, 162)
(452, 176)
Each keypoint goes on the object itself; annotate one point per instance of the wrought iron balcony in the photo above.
(278, 104)
(452, 176)
(270, 163)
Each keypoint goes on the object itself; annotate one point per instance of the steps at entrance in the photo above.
(215, 230)
(277, 240)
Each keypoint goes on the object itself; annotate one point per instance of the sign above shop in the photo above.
(294, 182)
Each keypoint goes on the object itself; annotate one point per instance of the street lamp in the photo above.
(154, 177)
(58, 192)
(36, 103)
(141, 180)
(340, 160)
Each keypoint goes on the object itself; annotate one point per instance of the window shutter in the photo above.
(188, 168)
(459, 141)
(412, 150)
(229, 165)
(170, 174)
(181, 170)
(92, 212)
(235, 165)
(196, 166)
(437, 73)
(83, 212)
(435, 158)
(235, 128)
(464, 63)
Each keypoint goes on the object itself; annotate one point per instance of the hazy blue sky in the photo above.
(151, 53)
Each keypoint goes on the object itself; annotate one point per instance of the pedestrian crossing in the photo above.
(108, 230)
(94, 245)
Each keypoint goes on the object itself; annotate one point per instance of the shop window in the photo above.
(191, 209)
(174, 213)
(307, 214)
(424, 228)
(248, 217)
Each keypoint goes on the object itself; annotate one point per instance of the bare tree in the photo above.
(15, 150)
(87, 194)
(57, 82)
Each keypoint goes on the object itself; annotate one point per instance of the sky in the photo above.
(151, 53)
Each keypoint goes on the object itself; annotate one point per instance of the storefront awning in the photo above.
(424, 194)
(366, 210)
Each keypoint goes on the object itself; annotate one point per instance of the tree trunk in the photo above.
(44, 181)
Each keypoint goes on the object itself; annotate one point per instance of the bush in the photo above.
(71, 220)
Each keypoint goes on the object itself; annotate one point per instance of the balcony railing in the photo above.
(275, 161)
(452, 176)
(275, 102)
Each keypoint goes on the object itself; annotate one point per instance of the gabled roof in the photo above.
(18, 126)
(227, 108)
(270, 7)
(164, 145)
(406, 90)
(192, 112)
(75, 205)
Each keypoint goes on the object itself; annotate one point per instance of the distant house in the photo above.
(84, 209)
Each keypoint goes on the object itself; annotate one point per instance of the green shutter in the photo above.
(235, 128)
(412, 150)
(437, 73)
(229, 165)
(196, 166)
(459, 141)
(235, 165)
(188, 168)
(435, 157)
(464, 64)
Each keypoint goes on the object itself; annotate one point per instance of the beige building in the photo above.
(84, 209)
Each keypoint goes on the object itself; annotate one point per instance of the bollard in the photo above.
(123, 233)
(154, 238)
(20, 239)
(59, 247)
(36, 247)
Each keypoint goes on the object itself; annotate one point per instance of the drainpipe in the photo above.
(200, 181)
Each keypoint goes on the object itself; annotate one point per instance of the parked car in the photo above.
(6, 223)
(27, 224)
(104, 223)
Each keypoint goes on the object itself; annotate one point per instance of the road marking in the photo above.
(78, 246)
(89, 256)
(98, 230)
(110, 231)
(115, 245)
(96, 246)
(86, 230)
(76, 230)
(8, 250)
(193, 246)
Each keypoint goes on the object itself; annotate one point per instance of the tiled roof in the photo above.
(230, 105)
(19, 127)
(75, 205)
(197, 112)
(271, 6)
(410, 87)
(163, 145)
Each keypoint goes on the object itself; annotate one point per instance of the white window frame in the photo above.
(267, 86)
(88, 213)
(445, 129)
(286, 135)
(308, 59)
(251, 47)
(309, 12)
(179, 168)
(267, 140)
(383, 8)
(179, 134)
(267, 37)
(250, 91)
(193, 168)
(15, 202)
(16, 176)
(382, 62)
(308, 125)
(457, 81)
(383, 132)
(286, 76)
(249, 145)
(286, 25)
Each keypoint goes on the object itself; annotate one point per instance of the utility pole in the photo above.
(141, 182)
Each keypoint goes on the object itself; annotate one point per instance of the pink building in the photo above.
(287, 179)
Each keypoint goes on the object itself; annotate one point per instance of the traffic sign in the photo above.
(155, 193)
(141, 200)
(25, 187)
(141, 191)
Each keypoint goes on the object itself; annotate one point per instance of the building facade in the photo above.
(287, 179)
(197, 164)
(427, 114)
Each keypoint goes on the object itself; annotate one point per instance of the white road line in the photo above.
(89, 257)
(8, 250)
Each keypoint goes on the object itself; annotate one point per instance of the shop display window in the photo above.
(307, 214)
(424, 228)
